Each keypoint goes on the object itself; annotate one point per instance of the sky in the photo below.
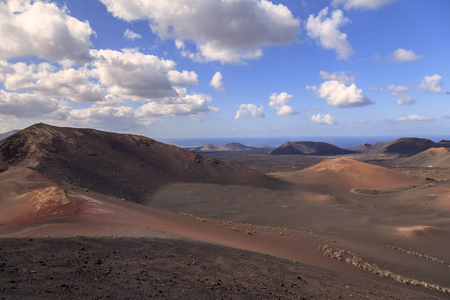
(224, 68)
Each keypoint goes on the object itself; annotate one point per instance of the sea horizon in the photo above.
(340, 141)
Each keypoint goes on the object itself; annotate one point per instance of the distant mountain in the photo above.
(433, 157)
(369, 147)
(123, 165)
(210, 148)
(310, 148)
(404, 147)
(231, 147)
(444, 143)
(7, 134)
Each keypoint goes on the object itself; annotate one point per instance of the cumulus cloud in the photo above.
(182, 78)
(216, 82)
(402, 55)
(361, 4)
(279, 102)
(23, 105)
(338, 94)
(44, 79)
(323, 119)
(225, 31)
(249, 111)
(397, 90)
(177, 106)
(325, 30)
(339, 76)
(407, 100)
(35, 28)
(410, 118)
(126, 117)
(133, 75)
(131, 35)
(108, 82)
(110, 118)
(432, 84)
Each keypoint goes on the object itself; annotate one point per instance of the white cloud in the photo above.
(101, 112)
(216, 82)
(397, 90)
(110, 118)
(133, 75)
(407, 100)
(22, 105)
(249, 111)
(131, 35)
(339, 76)
(411, 118)
(326, 31)
(183, 78)
(432, 84)
(35, 28)
(402, 55)
(338, 94)
(44, 79)
(110, 79)
(361, 4)
(177, 106)
(279, 102)
(311, 88)
(227, 31)
(324, 119)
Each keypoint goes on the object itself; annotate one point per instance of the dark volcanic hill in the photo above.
(405, 147)
(433, 157)
(227, 148)
(6, 134)
(444, 143)
(369, 147)
(310, 148)
(123, 165)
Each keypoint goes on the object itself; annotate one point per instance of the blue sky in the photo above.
(223, 68)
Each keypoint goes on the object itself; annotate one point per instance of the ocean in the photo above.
(340, 141)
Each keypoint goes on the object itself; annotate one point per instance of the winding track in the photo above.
(353, 190)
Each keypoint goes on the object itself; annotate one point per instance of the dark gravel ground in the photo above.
(138, 268)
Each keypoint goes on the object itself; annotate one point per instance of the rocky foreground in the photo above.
(138, 268)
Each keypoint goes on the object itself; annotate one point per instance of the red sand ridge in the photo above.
(345, 173)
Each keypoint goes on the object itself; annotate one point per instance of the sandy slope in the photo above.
(65, 211)
(345, 173)
(434, 157)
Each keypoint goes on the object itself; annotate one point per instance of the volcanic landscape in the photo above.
(92, 214)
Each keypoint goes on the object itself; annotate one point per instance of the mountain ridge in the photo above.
(123, 165)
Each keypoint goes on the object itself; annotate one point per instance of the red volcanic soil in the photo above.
(123, 165)
(345, 173)
(433, 157)
(63, 183)
(158, 261)
(124, 268)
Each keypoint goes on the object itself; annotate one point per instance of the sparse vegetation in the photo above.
(422, 255)
(357, 261)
